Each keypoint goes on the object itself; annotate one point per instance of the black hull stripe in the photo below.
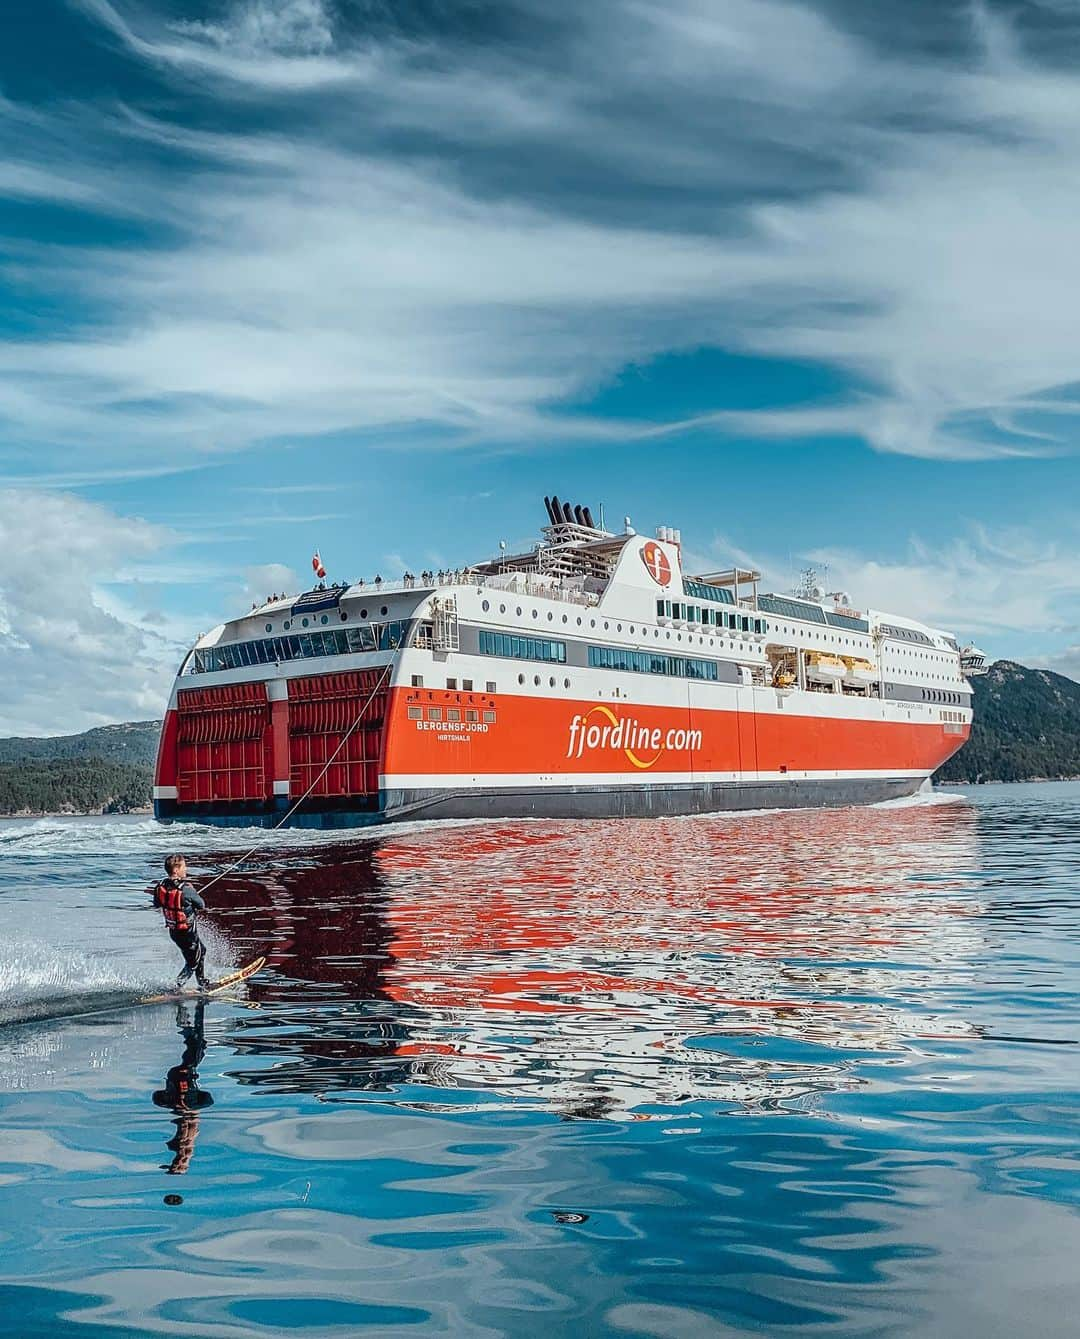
(398, 806)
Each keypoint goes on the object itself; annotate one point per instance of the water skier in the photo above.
(180, 904)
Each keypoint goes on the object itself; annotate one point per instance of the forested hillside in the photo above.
(1027, 725)
(108, 770)
(134, 742)
(73, 785)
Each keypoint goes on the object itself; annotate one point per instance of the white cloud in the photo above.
(666, 176)
(289, 27)
(1066, 661)
(70, 655)
(282, 46)
(269, 579)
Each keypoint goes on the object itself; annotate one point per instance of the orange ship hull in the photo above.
(242, 758)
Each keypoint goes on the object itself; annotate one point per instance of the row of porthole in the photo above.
(537, 681)
(306, 622)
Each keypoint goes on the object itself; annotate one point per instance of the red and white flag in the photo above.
(317, 565)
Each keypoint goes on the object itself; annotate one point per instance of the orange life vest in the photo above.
(171, 902)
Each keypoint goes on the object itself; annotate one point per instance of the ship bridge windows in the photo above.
(274, 650)
(651, 662)
(522, 648)
(780, 604)
(701, 590)
(904, 634)
(846, 621)
(709, 618)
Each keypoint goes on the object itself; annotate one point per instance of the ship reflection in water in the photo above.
(608, 970)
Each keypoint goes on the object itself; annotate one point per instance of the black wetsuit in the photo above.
(187, 940)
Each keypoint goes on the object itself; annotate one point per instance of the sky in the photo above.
(799, 277)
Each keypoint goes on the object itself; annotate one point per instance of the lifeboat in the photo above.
(860, 672)
(822, 666)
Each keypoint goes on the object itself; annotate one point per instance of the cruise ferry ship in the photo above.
(590, 676)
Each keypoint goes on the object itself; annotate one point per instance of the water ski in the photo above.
(234, 978)
(214, 988)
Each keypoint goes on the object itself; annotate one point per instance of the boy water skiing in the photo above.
(180, 904)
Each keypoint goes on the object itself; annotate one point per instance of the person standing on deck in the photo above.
(180, 904)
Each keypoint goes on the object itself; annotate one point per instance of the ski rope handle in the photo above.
(325, 768)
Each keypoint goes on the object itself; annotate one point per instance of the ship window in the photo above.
(383, 610)
(536, 680)
(521, 678)
(651, 662)
(551, 682)
(416, 713)
(269, 627)
(451, 683)
(363, 614)
(566, 683)
(472, 714)
(325, 618)
(485, 606)
(434, 713)
(453, 713)
(466, 686)
(418, 681)
(659, 611)
(489, 687)
(522, 648)
(489, 717)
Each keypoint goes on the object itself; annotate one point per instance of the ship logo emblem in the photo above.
(656, 563)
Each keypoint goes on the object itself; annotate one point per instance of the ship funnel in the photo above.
(556, 510)
(579, 516)
(550, 512)
(588, 518)
(568, 513)
(627, 527)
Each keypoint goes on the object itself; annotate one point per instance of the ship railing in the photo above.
(517, 582)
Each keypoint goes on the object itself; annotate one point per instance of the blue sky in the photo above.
(797, 276)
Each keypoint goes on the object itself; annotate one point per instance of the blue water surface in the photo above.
(805, 1073)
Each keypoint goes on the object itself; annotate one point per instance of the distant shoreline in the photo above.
(146, 812)
(1018, 781)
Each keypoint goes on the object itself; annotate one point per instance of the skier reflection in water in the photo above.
(182, 1093)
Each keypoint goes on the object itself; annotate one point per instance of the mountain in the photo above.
(134, 742)
(107, 770)
(1027, 725)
